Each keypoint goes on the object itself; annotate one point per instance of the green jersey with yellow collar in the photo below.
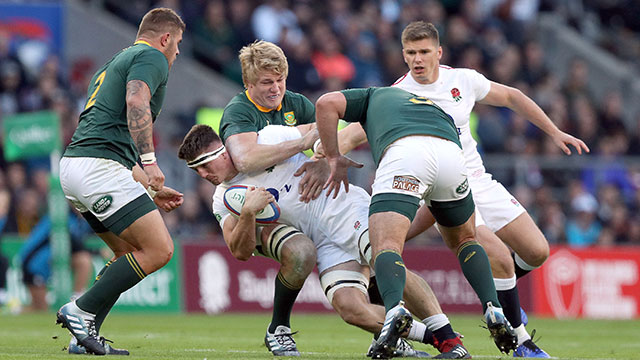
(243, 115)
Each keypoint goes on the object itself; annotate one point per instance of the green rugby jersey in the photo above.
(103, 130)
(388, 114)
(243, 115)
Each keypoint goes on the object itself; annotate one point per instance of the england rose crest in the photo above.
(455, 93)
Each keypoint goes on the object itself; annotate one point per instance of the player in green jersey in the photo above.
(265, 101)
(418, 155)
(100, 176)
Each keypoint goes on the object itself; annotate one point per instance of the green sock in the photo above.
(283, 300)
(104, 268)
(391, 276)
(476, 268)
(120, 276)
(104, 311)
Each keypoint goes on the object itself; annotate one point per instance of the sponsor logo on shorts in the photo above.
(515, 202)
(218, 217)
(357, 225)
(462, 188)
(102, 204)
(290, 118)
(406, 183)
(400, 263)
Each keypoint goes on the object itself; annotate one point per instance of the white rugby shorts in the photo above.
(100, 186)
(425, 167)
(495, 206)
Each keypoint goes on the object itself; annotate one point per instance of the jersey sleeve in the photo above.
(479, 83)
(357, 104)
(236, 119)
(309, 111)
(150, 66)
(219, 210)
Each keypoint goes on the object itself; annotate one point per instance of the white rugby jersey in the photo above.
(321, 219)
(456, 92)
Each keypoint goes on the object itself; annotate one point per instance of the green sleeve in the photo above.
(236, 119)
(150, 66)
(309, 111)
(357, 104)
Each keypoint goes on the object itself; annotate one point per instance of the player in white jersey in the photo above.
(338, 228)
(500, 218)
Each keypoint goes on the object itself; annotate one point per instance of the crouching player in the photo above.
(338, 228)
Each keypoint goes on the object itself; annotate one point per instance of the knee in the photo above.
(162, 253)
(538, 256)
(299, 259)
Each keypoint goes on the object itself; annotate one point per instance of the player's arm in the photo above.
(249, 156)
(521, 104)
(422, 221)
(240, 233)
(140, 122)
(349, 138)
(330, 108)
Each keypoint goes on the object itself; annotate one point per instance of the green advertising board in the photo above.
(31, 134)
(158, 292)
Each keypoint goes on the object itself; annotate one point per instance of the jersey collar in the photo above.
(141, 42)
(261, 108)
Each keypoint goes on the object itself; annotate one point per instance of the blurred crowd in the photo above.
(336, 44)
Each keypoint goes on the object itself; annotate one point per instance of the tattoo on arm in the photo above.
(139, 117)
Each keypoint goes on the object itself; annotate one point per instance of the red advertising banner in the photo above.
(589, 283)
(217, 282)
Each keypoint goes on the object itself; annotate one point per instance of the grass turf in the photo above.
(159, 336)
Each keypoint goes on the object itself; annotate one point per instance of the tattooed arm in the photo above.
(140, 124)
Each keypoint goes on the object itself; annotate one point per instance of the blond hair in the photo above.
(419, 30)
(159, 21)
(261, 56)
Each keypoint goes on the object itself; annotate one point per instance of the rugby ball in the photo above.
(234, 200)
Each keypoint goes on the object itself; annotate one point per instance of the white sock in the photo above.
(505, 284)
(522, 334)
(417, 330)
(435, 322)
(522, 264)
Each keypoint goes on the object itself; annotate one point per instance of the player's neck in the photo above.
(427, 80)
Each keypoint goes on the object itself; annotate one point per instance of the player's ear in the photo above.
(164, 39)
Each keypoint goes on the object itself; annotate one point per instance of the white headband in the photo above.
(206, 157)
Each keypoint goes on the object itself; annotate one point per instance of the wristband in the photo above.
(151, 192)
(148, 159)
(315, 146)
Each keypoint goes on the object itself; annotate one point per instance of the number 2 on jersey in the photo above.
(92, 98)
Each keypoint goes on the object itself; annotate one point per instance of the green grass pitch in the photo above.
(159, 336)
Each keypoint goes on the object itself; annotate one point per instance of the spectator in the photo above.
(35, 255)
(583, 228)
(215, 41)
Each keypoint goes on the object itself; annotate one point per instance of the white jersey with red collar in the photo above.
(456, 92)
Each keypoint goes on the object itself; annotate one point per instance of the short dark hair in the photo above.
(196, 141)
(160, 20)
(419, 30)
